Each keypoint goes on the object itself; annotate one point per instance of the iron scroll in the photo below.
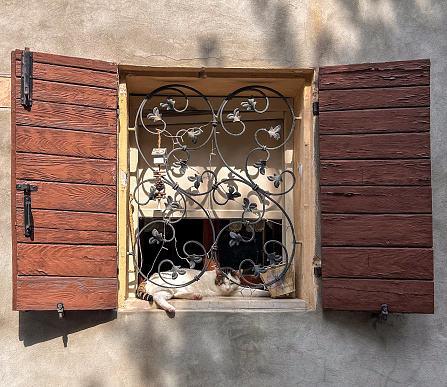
(165, 187)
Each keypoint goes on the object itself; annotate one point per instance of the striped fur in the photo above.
(141, 292)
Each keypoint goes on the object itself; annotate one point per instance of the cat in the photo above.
(211, 283)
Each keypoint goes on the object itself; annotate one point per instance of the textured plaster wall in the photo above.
(227, 348)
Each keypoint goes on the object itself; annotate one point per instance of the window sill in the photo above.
(219, 304)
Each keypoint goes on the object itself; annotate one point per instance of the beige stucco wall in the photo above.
(228, 348)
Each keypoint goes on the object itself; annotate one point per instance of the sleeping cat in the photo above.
(212, 283)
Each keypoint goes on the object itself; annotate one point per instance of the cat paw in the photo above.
(197, 296)
(170, 309)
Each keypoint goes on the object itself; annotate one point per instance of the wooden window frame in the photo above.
(305, 193)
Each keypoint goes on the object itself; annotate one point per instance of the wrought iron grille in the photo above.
(174, 196)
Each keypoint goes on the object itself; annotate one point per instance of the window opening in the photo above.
(213, 185)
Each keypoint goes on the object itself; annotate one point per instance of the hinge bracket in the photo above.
(384, 312)
(60, 309)
(26, 89)
(28, 217)
(316, 108)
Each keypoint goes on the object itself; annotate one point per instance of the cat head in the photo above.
(223, 283)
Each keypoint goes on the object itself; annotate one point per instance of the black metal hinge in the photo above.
(60, 309)
(316, 108)
(384, 312)
(28, 217)
(26, 88)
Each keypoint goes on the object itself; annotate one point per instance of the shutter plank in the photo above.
(71, 62)
(375, 146)
(31, 166)
(66, 260)
(69, 220)
(53, 115)
(54, 236)
(65, 196)
(377, 230)
(375, 121)
(78, 76)
(378, 200)
(73, 94)
(367, 75)
(375, 172)
(405, 296)
(415, 96)
(66, 142)
(43, 293)
(370, 262)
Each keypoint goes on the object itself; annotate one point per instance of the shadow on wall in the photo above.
(274, 18)
(355, 31)
(36, 327)
(210, 52)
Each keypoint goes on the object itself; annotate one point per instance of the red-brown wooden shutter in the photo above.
(65, 144)
(376, 208)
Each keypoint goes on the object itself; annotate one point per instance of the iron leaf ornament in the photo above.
(273, 258)
(277, 179)
(176, 270)
(170, 204)
(261, 165)
(235, 116)
(250, 105)
(236, 238)
(197, 179)
(169, 104)
(193, 259)
(249, 207)
(155, 115)
(258, 269)
(156, 237)
(274, 132)
(181, 164)
(232, 193)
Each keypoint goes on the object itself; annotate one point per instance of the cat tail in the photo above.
(141, 292)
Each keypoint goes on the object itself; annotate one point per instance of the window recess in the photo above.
(215, 163)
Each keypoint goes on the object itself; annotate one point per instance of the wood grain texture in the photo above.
(367, 75)
(32, 166)
(70, 61)
(376, 200)
(55, 236)
(66, 260)
(67, 146)
(404, 296)
(70, 220)
(70, 197)
(375, 172)
(377, 230)
(54, 115)
(375, 121)
(373, 262)
(375, 146)
(66, 142)
(376, 222)
(73, 94)
(415, 96)
(78, 76)
(43, 293)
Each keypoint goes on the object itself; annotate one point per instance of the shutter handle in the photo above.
(27, 188)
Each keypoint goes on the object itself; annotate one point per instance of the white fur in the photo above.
(204, 287)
